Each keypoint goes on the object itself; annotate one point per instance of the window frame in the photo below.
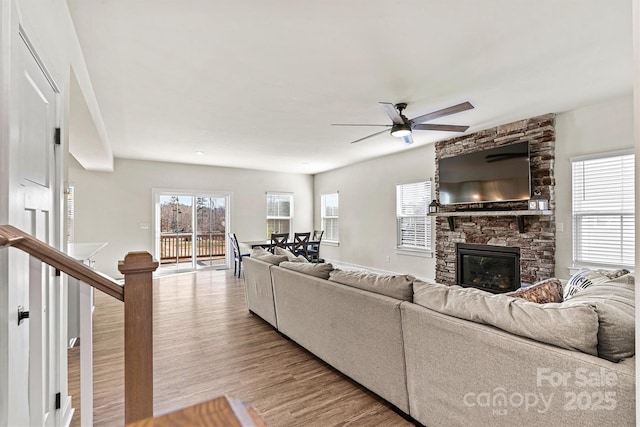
(278, 217)
(428, 248)
(580, 230)
(327, 238)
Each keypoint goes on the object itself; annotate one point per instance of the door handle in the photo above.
(22, 314)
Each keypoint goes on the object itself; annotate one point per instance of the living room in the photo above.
(367, 200)
(271, 123)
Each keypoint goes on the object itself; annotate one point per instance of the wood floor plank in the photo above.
(206, 344)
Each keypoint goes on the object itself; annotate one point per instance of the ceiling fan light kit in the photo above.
(402, 127)
(400, 130)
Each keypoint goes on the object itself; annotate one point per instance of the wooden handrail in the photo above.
(137, 295)
(11, 236)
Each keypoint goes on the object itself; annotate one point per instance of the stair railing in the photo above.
(137, 293)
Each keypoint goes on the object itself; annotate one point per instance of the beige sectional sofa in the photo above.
(445, 356)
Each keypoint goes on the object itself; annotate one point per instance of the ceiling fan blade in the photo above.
(391, 111)
(407, 139)
(447, 128)
(370, 136)
(444, 112)
(356, 124)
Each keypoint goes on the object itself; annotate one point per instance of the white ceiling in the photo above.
(257, 84)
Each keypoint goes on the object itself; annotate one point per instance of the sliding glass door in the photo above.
(210, 231)
(191, 230)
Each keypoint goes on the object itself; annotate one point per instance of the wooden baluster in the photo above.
(138, 268)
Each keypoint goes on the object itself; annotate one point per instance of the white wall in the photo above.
(368, 212)
(109, 206)
(602, 127)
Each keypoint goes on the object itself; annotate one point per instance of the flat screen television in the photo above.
(494, 175)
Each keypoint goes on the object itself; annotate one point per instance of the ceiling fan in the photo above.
(402, 127)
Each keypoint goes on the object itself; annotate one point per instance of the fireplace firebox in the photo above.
(491, 268)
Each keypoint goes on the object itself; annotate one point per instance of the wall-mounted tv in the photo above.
(493, 175)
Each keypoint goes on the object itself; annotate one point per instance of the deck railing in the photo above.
(179, 246)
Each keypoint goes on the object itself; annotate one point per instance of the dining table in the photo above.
(266, 244)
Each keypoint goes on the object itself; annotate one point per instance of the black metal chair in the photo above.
(279, 240)
(314, 251)
(237, 254)
(301, 244)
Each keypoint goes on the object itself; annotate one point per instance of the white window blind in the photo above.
(330, 216)
(279, 213)
(603, 210)
(413, 222)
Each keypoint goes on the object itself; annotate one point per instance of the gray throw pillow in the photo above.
(270, 258)
(290, 255)
(257, 251)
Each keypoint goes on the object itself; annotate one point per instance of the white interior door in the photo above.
(37, 123)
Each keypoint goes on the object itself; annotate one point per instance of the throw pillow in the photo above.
(543, 292)
(257, 251)
(290, 255)
(267, 256)
(321, 270)
(582, 280)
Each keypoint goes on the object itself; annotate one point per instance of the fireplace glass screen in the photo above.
(490, 268)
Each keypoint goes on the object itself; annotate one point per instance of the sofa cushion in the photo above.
(585, 278)
(572, 326)
(266, 256)
(394, 286)
(321, 270)
(290, 255)
(545, 291)
(257, 251)
(614, 301)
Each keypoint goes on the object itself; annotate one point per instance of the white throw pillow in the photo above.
(585, 278)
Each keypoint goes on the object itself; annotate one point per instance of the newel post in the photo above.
(138, 268)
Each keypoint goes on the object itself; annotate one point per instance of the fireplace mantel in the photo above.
(518, 214)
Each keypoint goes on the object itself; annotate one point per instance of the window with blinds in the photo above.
(413, 222)
(603, 210)
(279, 213)
(330, 216)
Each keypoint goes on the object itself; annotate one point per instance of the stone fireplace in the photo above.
(491, 268)
(533, 235)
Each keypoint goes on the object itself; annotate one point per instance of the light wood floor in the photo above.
(207, 344)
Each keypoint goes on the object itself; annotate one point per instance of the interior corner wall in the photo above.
(598, 128)
(110, 206)
(367, 222)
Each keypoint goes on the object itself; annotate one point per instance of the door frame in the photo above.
(155, 203)
(48, 351)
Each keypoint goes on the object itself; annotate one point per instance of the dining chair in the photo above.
(314, 250)
(279, 240)
(301, 244)
(237, 254)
